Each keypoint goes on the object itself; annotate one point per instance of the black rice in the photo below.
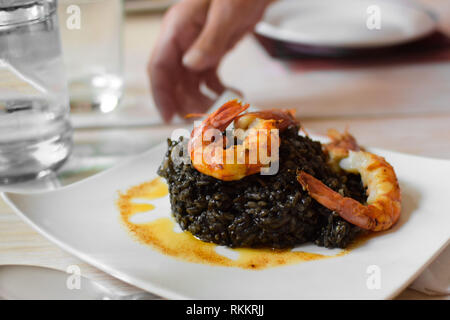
(261, 210)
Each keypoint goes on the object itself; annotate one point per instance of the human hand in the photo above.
(195, 35)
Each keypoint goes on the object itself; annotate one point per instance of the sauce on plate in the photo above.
(164, 235)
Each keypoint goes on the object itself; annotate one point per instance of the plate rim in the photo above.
(266, 29)
(164, 293)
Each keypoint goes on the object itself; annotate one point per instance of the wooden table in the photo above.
(412, 115)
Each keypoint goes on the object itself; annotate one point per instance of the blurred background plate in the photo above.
(148, 5)
(343, 24)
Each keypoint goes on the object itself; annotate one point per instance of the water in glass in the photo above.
(35, 133)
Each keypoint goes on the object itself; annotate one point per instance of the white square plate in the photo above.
(83, 219)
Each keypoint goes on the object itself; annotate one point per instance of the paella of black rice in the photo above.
(326, 194)
(261, 210)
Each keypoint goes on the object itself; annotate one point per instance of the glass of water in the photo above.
(91, 32)
(35, 134)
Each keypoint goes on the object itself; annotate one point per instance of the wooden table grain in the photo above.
(413, 117)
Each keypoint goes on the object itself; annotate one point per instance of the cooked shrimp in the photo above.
(258, 132)
(384, 199)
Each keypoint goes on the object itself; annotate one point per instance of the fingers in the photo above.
(212, 81)
(188, 95)
(161, 70)
(191, 101)
(195, 35)
(226, 23)
(181, 26)
(204, 54)
(163, 93)
(211, 44)
(177, 90)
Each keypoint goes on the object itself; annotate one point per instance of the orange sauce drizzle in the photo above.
(160, 235)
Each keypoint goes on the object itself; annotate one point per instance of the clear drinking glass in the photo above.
(91, 32)
(35, 134)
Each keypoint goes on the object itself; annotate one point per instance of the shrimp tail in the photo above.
(343, 141)
(222, 117)
(368, 217)
(319, 191)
